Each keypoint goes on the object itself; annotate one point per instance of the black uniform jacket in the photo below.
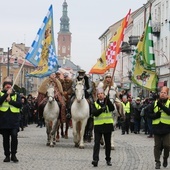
(161, 128)
(104, 128)
(9, 120)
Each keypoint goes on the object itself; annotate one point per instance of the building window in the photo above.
(63, 49)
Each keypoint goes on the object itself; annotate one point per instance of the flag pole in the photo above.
(18, 73)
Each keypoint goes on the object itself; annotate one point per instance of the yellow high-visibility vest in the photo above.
(104, 117)
(126, 107)
(5, 105)
(164, 117)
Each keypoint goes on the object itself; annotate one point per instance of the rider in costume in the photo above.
(42, 100)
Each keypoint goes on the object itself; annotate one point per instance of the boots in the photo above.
(14, 158)
(158, 165)
(95, 163)
(165, 162)
(109, 163)
(7, 159)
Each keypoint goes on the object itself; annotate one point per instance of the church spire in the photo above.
(64, 20)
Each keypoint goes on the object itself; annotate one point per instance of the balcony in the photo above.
(125, 48)
(133, 40)
(156, 28)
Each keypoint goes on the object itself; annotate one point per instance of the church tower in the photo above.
(64, 35)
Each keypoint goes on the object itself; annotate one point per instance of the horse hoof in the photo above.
(47, 144)
(76, 145)
(112, 148)
(81, 147)
(51, 146)
(66, 137)
(57, 140)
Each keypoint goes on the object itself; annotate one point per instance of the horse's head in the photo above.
(50, 93)
(79, 90)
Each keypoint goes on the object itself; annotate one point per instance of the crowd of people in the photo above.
(150, 115)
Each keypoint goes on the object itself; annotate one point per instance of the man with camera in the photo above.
(159, 112)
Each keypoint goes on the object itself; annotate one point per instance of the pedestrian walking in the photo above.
(125, 123)
(137, 107)
(10, 104)
(160, 114)
(103, 125)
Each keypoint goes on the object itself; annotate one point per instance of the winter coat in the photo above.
(161, 128)
(104, 128)
(8, 119)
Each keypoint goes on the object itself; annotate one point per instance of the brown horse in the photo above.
(66, 124)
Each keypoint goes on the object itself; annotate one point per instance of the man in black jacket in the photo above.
(10, 104)
(159, 112)
(103, 125)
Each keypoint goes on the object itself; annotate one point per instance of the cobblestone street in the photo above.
(132, 152)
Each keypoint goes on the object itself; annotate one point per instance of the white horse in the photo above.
(50, 114)
(80, 114)
(119, 110)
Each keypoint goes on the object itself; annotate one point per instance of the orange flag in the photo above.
(108, 58)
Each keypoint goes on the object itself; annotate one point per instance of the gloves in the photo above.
(104, 108)
(158, 115)
(159, 104)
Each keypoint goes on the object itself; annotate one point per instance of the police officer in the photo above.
(103, 125)
(159, 111)
(10, 104)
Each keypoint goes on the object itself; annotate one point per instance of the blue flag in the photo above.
(42, 53)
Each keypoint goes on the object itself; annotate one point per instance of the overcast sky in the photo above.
(89, 19)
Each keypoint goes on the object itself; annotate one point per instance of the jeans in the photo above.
(10, 145)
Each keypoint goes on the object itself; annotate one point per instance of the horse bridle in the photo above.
(52, 97)
(82, 95)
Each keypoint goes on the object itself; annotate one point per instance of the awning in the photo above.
(160, 84)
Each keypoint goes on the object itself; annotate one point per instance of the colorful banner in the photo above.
(109, 56)
(145, 47)
(42, 53)
(144, 78)
(144, 69)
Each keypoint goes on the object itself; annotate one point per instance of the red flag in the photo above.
(115, 44)
(109, 56)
